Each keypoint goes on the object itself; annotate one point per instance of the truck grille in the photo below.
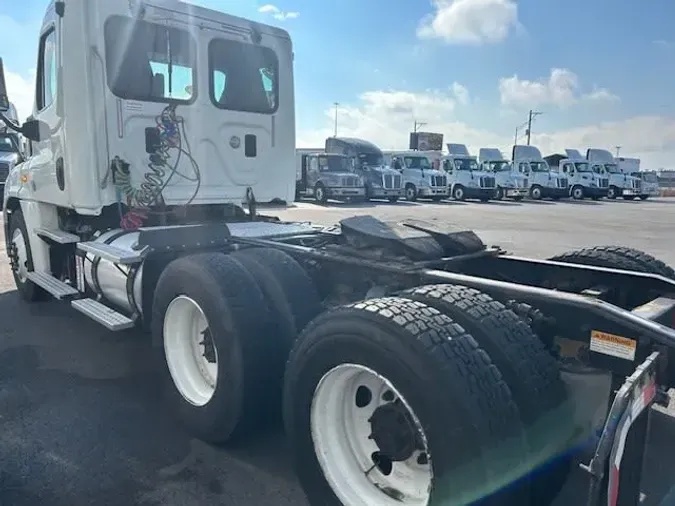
(441, 181)
(487, 182)
(391, 182)
(350, 182)
(604, 182)
(4, 171)
(562, 182)
(636, 184)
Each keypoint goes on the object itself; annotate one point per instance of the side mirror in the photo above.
(35, 130)
(4, 99)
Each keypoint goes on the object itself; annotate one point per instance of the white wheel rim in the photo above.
(21, 254)
(319, 193)
(577, 193)
(411, 192)
(459, 193)
(185, 346)
(536, 193)
(340, 431)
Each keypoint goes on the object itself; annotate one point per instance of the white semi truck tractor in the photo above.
(412, 363)
(544, 182)
(511, 182)
(620, 184)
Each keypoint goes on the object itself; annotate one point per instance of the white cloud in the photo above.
(21, 91)
(386, 118)
(561, 89)
(461, 93)
(664, 44)
(470, 21)
(277, 13)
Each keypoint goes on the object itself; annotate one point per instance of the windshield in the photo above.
(612, 168)
(8, 144)
(647, 177)
(417, 162)
(539, 166)
(466, 164)
(499, 166)
(598, 169)
(334, 164)
(371, 159)
(582, 167)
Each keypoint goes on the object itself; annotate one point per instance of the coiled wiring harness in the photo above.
(172, 145)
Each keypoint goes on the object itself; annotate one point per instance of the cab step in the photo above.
(57, 288)
(108, 317)
(111, 253)
(58, 236)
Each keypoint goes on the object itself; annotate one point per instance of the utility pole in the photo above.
(336, 116)
(533, 114)
(416, 125)
(618, 148)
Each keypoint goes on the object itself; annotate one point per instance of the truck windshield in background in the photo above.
(612, 168)
(465, 164)
(647, 177)
(334, 164)
(499, 166)
(582, 167)
(9, 143)
(417, 162)
(371, 159)
(539, 166)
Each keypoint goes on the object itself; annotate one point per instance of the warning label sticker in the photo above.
(611, 344)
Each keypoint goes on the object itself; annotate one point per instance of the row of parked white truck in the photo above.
(355, 169)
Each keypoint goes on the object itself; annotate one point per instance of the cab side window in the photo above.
(46, 82)
(313, 163)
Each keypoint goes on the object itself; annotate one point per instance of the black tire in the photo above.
(411, 192)
(28, 290)
(577, 192)
(645, 261)
(320, 194)
(241, 333)
(458, 395)
(536, 192)
(393, 200)
(598, 258)
(301, 295)
(499, 194)
(644, 197)
(529, 370)
(612, 193)
(458, 192)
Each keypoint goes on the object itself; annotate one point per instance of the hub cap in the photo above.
(20, 253)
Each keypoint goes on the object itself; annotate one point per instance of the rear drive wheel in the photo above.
(389, 402)
(218, 345)
(21, 259)
(529, 370)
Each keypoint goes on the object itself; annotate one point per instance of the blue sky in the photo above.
(602, 71)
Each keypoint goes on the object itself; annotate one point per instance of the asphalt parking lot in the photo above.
(80, 422)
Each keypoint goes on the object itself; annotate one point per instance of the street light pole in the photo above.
(336, 116)
(533, 114)
(416, 125)
(618, 148)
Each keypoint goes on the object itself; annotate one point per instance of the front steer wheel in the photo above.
(219, 347)
(21, 259)
(390, 402)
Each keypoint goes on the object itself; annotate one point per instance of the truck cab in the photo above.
(421, 176)
(620, 184)
(649, 183)
(586, 180)
(380, 181)
(544, 183)
(511, 183)
(11, 154)
(466, 180)
(327, 176)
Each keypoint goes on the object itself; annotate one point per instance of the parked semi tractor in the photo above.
(649, 182)
(413, 363)
(544, 183)
(380, 181)
(466, 179)
(420, 178)
(511, 182)
(586, 180)
(620, 184)
(327, 176)
(11, 154)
